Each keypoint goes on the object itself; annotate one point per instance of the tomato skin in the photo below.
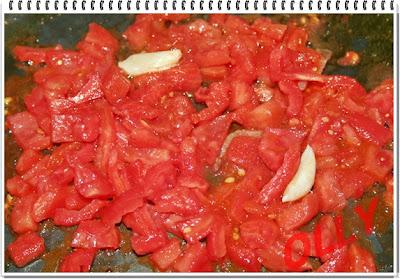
(299, 212)
(70, 217)
(26, 248)
(22, 214)
(95, 234)
(80, 260)
(25, 130)
(17, 187)
(164, 257)
(360, 259)
(90, 183)
(90, 91)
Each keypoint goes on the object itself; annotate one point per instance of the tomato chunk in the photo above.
(27, 133)
(95, 234)
(26, 248)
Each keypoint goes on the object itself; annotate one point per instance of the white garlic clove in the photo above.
(303, 180)
(142, 63)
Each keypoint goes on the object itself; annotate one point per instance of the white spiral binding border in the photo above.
(199, 6)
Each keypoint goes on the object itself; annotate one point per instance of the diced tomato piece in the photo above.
(216, 240)
(178, 200)
(22, 214)
(268, 114)
(281, 179)
(331, 198)
(151, 242)
(27, 132)
(127, 202)
(259, 233)
(377, 161)
(70, 217)
(17, 187)
(242, 256)
(159, 178)
(97, 35)
(299, 212)
(214, 73)
(368, 128)
(28, 158)
(360, 259)
(140, 221)
(80, 260)
(196, 229)
(337, 263)
(25, 53)
(71, 127)
(165, 257)
(91, 183)
(95, 234)
(46, 204)
(273, 258)
(217, 99)
(26, 248)
(74, 200)
(295, 96)
(115, 85)
(210, 137)
(192, 259)
(90, 91)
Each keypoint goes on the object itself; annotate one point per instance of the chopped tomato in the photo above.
(70, 217)
(299, 212)
(27, 132)
(22, 218)
(193, 157)
(28, 158)
(144, 244)
(80, 260)
(165, 257)
(26, 248)
(192, 259)
(360, 259)
(95, 234)
(91, 183)
(17, 187)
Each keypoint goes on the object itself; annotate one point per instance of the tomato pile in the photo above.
(194, 159)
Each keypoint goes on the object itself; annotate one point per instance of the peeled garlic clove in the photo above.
(303, 180)
(142, 63)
